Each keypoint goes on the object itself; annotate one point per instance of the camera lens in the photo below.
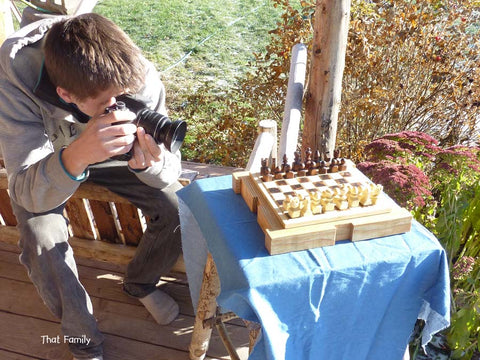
(162, 129)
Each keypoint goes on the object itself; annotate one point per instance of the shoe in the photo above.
(161, 306)
(94, 358)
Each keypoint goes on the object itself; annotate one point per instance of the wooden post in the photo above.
(293, 103)
(207, 306)
(332, 18)
(6, 22)
(265, 145)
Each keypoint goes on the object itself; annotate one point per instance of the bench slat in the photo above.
(6, 208)
(104, 221)
(79, 219)
(130, 223)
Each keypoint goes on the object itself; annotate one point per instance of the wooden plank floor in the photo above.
(130, 332)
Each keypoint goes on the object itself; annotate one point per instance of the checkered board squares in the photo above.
(275, 192)
(279, 189)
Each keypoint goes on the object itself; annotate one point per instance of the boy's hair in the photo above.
(88, 54)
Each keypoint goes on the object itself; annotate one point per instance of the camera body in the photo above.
(160, 127)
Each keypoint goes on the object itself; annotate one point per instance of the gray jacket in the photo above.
(33, 130)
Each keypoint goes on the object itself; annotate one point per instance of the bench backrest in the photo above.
(93, 212)
(103, 226)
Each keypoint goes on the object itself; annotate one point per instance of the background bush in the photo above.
(441, 187)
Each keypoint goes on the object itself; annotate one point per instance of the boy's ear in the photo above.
(65, 95)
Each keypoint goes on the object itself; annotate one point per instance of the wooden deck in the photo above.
(130, 332)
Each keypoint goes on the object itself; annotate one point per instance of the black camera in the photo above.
(160, 127)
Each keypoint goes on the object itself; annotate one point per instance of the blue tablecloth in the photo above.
(350, 301)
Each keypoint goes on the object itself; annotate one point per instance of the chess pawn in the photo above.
(313, 168)
(343, 165)
(306, 211)
(326, 200)
(333, 166)
(353, 196)
(323, 168)
(277, 173)
(302, 171)
(377, 189)
(294, 210)
(288, 173)
(267, 176)
(365, 191)
(369, 194)
(340, 198)
(315, 205)
(286, 203)
(327, 157)
(265, 173)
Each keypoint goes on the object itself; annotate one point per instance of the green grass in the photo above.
(195, 41)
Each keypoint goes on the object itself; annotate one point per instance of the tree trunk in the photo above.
(332, 18)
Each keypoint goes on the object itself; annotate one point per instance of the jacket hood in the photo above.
(19, 46)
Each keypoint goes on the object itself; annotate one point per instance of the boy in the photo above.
(57, 77)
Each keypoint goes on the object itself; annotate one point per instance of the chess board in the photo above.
(276, 191)
(285, 234)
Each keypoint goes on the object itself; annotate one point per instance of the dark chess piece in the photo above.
(323, 168)
(278, 173)
(333, 166)
(265, 172)
(273, 165)
(308, 159)
(288, 172)
(327, 157)
(285, 162)
(267, 176)
(264, 167)
(297, 163)
(314, 170)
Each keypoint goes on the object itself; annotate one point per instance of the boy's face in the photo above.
(92, 106)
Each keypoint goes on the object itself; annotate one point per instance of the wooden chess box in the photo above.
(285, 234)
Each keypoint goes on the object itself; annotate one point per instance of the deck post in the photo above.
(293, 103)
(265, 145)
(6, 21)
(206, 309)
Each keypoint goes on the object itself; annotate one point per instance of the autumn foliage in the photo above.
(411, 65)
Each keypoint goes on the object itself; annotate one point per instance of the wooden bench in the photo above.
(103, 226)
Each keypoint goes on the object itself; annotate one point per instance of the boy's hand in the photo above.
(105, 136)
(146, 151)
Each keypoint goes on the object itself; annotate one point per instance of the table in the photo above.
(348, 301)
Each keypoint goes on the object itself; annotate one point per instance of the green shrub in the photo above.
(441, 186)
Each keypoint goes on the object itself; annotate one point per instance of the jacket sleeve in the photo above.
(163, 173)
(36, 179)
(167, 171)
